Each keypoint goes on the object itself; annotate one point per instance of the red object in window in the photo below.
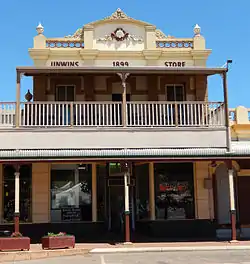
(162, 188)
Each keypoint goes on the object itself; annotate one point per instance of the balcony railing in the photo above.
(110, 114)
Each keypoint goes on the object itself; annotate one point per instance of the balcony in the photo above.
(111, 114)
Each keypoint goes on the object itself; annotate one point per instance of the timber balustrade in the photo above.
(109, 114)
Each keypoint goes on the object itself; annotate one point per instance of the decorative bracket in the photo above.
(123, 76)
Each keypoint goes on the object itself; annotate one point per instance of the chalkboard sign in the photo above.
(71, 214)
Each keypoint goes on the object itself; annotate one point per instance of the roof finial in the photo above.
(197, 30)
(40, 29)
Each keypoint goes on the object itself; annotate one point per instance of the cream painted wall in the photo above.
(40, 192)
(204, 200)
(102, 30)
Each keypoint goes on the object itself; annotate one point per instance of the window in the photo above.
(175, 92)
(174, 191)
(25, 193)
(142, 191)
(101, 176)
(71, 193)
(65, 93)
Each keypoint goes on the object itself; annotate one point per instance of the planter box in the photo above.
(56, 242)
(14, 243)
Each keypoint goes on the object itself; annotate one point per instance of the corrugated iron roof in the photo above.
(239, 149)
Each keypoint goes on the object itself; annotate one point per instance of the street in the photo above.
(188, 257)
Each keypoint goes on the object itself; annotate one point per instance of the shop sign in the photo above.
(64, 63)
(175, 63)
(71, 214)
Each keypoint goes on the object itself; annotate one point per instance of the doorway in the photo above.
(115, 201)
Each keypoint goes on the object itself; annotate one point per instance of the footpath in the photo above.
(36, 251)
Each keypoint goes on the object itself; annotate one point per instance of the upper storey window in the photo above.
(65, 93)
(175, 92)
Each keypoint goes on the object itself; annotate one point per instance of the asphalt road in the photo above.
(190, 257)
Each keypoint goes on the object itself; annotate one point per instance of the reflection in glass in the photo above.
(174, 191)
(142, 191)
(71, 194)
(25, 182)
(101, 171)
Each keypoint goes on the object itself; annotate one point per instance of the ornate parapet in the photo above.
(240, 123)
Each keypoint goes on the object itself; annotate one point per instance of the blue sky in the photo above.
(224, 24)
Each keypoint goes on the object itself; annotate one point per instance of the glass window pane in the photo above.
(170, 93)
(60, 93)
(70, 96)
(179, 93)
(142, 191)
(101, 171)
(174, 191)
(62, 183)
(85, 194)
(25, 193)
(71, 193)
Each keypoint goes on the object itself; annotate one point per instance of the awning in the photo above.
(239, 149)
(33, 70)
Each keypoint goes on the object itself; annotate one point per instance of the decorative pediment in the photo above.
(119, 15)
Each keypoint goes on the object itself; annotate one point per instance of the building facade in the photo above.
(118, 136)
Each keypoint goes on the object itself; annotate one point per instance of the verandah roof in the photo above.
(239, 149)
(33, 70)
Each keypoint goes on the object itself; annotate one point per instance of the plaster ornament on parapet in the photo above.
(160, 35)
(77, 35)
(40, 29)
(120, 35)
(118, 14)
(197, 30)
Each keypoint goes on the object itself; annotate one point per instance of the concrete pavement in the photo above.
(185, 257)
(36, 251)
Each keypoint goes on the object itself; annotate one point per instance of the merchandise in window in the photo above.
(142, 191)
(174, 191)
(25, 185)
(71, 194)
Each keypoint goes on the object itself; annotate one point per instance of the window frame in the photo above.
(64, 85)
(174, 85)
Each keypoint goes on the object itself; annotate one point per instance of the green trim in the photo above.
(126, 212)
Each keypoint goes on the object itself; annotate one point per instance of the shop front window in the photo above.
(25, 184)
(71, 193)
(142, 191)
(174, 191)
(102, 172)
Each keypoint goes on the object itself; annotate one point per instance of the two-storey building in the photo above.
(118, 120)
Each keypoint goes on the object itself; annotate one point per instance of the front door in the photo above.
(116, 202)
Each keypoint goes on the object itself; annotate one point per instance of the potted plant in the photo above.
(60, 240)
(14, 242)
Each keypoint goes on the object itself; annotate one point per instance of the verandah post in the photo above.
(227, 123)
(124, 77)
(18, 87)
(232, 200)
(17, 198)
